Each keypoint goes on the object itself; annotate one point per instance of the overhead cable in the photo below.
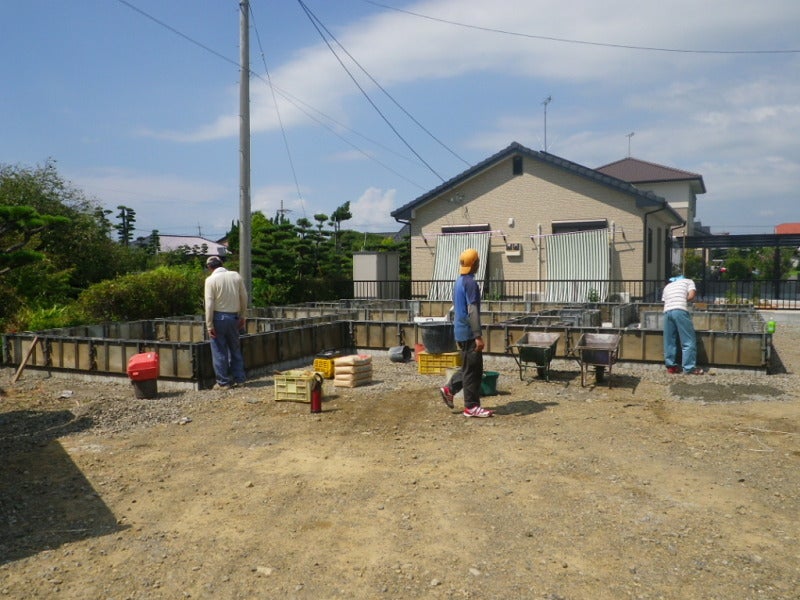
(388, 95)
(296, 102)
(278, 113)
(571, 41)
(313, 20)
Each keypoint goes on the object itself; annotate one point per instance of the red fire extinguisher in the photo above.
(316, 394)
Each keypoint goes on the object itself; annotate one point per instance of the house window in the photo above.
(573, 226)
(659, 247)
(516, 165)
(480, 227)
(649, 245)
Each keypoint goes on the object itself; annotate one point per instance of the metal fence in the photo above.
(776, 295)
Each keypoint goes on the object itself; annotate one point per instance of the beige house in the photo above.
(535, 216)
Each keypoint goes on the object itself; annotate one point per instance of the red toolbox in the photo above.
(143, 367)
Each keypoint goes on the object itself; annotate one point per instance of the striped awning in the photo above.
(445, 265)
(578, 266)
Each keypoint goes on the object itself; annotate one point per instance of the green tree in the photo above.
(693, 264)
(342, 213)
(127, 219)
(153, 246)
(20, 227)
(274, 259)
(77, 249)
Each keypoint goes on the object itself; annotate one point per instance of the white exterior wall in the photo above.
(680, 197)
(541, 195)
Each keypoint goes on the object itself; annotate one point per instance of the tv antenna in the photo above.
(629, 136)
(545, 102)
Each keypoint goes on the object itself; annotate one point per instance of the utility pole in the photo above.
(282, 211)
(545, 102)
(244, 148)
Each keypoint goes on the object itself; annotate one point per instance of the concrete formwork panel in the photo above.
(641, 345)
(632, 345)
(653, 346)
(623, 315)
(180, 331)
(333, 336)
(724, 349)
(260, 349)
(434, 308)
(71, 353)
(185, 354)
(185, 361)
(112, 356)
(385, 315)
(369, 334)
(495, 339)
(303, 338)
(734, 348)
(178, 361)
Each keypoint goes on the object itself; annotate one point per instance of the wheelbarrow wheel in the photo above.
(599, 374)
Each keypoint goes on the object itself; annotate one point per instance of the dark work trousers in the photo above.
(470, 376)
(226, 351)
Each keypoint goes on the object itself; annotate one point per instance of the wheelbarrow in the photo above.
(599, 351)
(535, 350)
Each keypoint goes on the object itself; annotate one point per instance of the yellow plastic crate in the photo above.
(437, 364)
(294, 386)
(325, 366)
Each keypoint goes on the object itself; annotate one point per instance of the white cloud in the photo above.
(371, 212)
(169, 203)
(399, 48)
(734, 119)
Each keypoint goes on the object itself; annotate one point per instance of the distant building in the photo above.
(679, 188)
(191, 245)
(787, 228)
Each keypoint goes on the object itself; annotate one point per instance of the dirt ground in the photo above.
(664, 486)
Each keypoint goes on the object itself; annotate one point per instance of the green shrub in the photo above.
(162, 292)
(54, 317)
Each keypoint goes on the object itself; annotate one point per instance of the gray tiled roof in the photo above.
(643, 198)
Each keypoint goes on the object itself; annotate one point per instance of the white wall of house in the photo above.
(680, 197)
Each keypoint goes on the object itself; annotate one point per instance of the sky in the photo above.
(137, 101)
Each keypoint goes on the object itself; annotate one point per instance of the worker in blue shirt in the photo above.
(468, 333)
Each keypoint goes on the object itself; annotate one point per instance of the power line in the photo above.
(280, 120)
(388, 95)
(571, 41)
(313, 20)
(293, 100)
(177, 32)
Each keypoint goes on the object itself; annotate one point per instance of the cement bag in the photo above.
(353, 359)
(351, 383)
(353, 379)
(351, 370)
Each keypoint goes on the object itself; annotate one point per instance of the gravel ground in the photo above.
(662, 486)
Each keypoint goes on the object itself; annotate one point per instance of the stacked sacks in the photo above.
(352, 370)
